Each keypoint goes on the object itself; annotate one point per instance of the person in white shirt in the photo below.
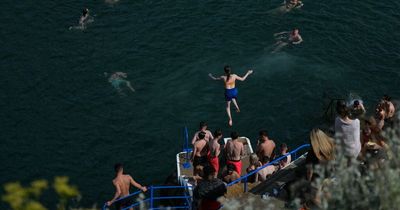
(347, 131)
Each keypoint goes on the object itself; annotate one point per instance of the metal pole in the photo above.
(151, 197)
(245, 184)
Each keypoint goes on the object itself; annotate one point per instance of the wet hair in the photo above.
(202, 124)
(356, 103)
(227, 70)
(201, 135)
(342, 109)
(234, 135)
(284, 145)
(85, 12)
(263, 133)
(118, 167)
(217, 133)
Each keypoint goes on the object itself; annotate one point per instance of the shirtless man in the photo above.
(234, 151)
(199, 154)
(266, 146)
(122, 183)
(202, 128)
(215, 150)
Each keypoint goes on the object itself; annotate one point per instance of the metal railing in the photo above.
(152, 198)
(187, 198)
(245, 177)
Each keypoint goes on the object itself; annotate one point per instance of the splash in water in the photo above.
(286, 6)
(84, 20)
(111, 2)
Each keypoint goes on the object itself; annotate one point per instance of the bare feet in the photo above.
(230, 122)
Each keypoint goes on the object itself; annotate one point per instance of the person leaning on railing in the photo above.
(122, 183)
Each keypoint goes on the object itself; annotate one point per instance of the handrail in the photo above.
(152, 198)
(245, 177)
(186, 196)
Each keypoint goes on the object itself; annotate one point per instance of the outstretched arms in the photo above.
(245, 76)
(214, 78)
(280, 33)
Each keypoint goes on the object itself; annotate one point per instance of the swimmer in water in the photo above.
(119, 78)
(285, 38)
(230, 88)
(292, 4)
(84, 17)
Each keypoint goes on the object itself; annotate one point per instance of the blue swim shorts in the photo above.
(230, 94)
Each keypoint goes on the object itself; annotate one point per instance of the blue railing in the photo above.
(245, 177)
(152, 198)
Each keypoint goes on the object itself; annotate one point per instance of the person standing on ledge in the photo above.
(231, 91)
(122, 183)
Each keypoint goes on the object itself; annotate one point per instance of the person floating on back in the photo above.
(231, 91)
(122, 183)
(287, 38)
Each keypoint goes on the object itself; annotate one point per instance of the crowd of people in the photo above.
(357, 135)
(361, 135)
(215, 163)
(209, 152)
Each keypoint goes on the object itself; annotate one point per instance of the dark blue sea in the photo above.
(60, 115)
